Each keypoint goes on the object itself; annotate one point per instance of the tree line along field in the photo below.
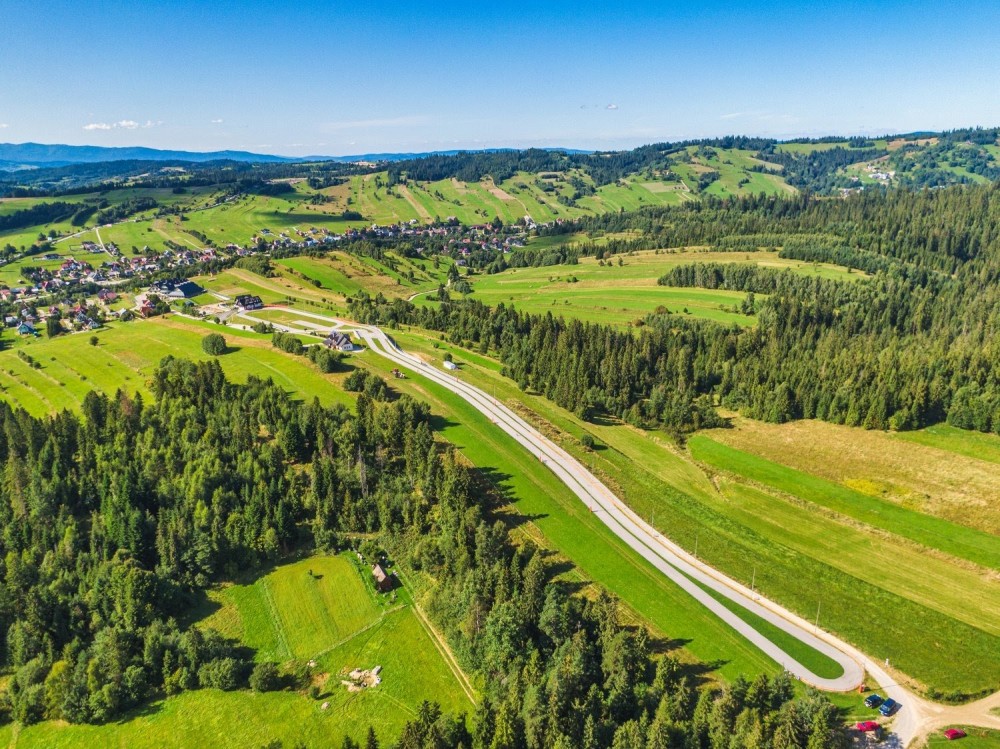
(863, 578)
(320, 608)
(127, 353)
(932, 614)
(621, 294)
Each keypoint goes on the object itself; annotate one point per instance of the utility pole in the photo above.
(696, 537)
(818, 603)
(753, 580)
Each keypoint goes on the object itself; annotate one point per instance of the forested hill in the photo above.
(114, 520)
(915, 344)
(661, 172)
(817, 165)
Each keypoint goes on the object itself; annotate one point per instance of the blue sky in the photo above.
(339, 78)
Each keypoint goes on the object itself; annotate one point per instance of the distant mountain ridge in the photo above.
(17, 155)
(37, 154)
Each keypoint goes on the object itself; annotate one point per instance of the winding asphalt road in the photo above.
(684, 570)
(916, 717)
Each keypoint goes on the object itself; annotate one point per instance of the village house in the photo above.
(247, 302)
(339, 341)
(185, 290)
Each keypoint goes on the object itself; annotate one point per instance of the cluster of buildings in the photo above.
(71, 316)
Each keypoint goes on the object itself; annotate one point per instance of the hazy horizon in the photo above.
(331, 79)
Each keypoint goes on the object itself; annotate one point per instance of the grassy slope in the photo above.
(346, 274)
(908, 468)
(621, 294)
(966, 543)
(797, 555)
(127, 355)
(336, 619)
(970, 444)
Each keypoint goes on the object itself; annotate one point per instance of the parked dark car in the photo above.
(874, 700)
(888, 707)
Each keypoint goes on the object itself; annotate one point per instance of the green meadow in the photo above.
(624, 288)
(127, 354)
(965, 543)
(322, 609)
(345, 274)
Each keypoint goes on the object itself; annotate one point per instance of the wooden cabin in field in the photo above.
(383, 581)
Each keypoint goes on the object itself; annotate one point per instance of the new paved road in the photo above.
(684, 570)
(916, 716)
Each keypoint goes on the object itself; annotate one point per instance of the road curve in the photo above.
(683, 569)
(917, 716)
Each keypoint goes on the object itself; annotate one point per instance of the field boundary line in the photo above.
(442, 646)
(345, 640)
(279, 629)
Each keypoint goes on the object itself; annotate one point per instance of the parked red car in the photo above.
(867, 725)
(954, 733)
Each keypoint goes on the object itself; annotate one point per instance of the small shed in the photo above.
(450, 365)
(383, 580)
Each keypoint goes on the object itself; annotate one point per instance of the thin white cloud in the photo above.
(732, 115)
(121, 125)
(216, 122)
(3, 125)
(404, 121)
(612, 106)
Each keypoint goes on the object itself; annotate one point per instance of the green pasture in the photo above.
(127, 354)
(622, 294)
(932, 532)
(346, 274)
(319, 608)
(963, 442)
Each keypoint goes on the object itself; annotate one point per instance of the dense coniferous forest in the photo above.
(116, 520)
(913, 344)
